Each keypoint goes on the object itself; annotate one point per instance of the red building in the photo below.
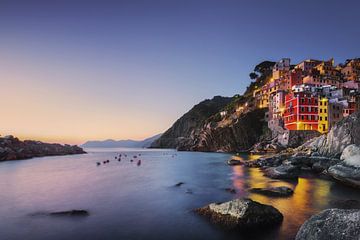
(294, 78)
(301, 111)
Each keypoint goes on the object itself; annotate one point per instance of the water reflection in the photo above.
(310, 195)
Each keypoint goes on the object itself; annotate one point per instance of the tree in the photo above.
(253, 75)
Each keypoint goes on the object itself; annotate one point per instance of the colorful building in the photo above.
(323, 121)
(301, 111)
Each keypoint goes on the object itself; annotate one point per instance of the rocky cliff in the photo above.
(232, 134)
(12, 148)
(221, 124)
(190, 122)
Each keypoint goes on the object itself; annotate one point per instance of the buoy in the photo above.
(98, 163)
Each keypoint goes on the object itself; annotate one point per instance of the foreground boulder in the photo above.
(241, 214)
(274, 191)
(331, 224)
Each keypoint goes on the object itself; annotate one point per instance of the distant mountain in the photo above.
(110, 143)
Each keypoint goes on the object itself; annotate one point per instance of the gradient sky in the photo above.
(72, 71)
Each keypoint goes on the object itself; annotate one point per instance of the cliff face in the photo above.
(229, 135)
(344, 133)
(190, 122)
(12, 148)
(221, 124)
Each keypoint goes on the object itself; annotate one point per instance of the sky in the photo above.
(72, 71)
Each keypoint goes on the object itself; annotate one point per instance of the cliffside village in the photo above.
(312, 95)
(308, 98)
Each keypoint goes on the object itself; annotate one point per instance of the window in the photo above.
(320, 118)
(302, 117)
(320, 110)
(325, 118)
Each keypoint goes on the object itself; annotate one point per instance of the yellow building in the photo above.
(323, 120)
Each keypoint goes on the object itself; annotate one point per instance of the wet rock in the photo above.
(345, 174)
(233, 162)
(241, 214)
(274, 191)
(284, 171)
(331, 224)
(179, 184)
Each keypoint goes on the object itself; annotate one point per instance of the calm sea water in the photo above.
(127, 201)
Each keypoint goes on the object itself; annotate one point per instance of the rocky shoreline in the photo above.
(11, 148)
(335, 154)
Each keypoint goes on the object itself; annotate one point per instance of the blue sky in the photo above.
(129, 69)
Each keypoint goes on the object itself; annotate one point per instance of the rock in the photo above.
(241, 214)
(12, 148)
(349, 151)
(274, 191)
(183, 129)
(344, 133)
(284, 171)
(351, 155)
(71, 213)
(179, 184)
(233, 162)
(331, 224)
(346, 174)
(346, 204)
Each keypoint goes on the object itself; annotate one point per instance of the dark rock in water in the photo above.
(233, 162)
(70, 213)
(274, 191)
(331, 224)
(346, 174)
(346, 204)
(284, 171)
(241, 214)
(179, 184)
(230, 190)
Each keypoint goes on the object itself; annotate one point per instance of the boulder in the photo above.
(331, 224)
(274, 191)
(241, 214)
(284, 171)
(233, 162)
(351, 155)
(349, 151)
(346, 174)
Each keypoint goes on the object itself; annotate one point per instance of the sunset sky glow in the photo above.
(73, 71)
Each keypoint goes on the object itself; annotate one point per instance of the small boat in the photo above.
(135, 156)
(131, 160)
(139, 163)
(98, 163)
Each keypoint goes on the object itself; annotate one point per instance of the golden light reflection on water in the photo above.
(309, 195)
